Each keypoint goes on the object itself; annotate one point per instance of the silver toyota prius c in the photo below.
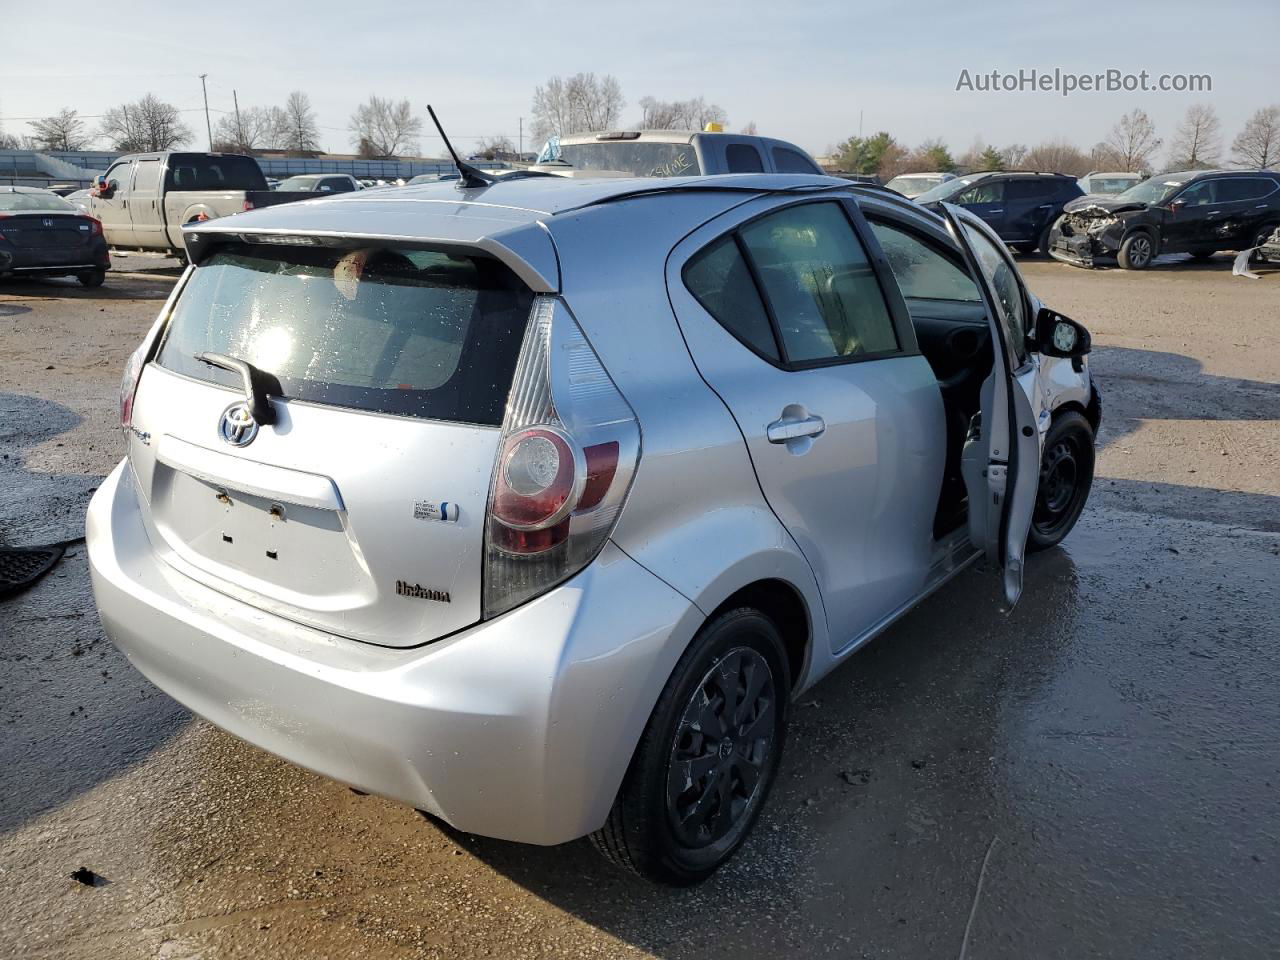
(536, 504)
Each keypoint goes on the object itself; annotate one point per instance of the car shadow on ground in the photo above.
(72, 716)
(114, 288)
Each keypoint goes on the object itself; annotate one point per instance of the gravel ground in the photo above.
(1108, 749)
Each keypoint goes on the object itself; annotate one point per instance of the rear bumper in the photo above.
(519, 728)
(56, 262)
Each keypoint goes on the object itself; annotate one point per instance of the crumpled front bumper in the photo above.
(1082, 248)
(519, 728)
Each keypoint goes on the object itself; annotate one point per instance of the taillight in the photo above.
(248, 204)
(95, 226)
(129, 384)
(569, 449)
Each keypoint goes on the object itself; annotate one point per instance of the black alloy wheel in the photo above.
(704, 764)
(722, 744)
(1066, 476)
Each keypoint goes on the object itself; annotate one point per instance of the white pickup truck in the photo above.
(144, 199)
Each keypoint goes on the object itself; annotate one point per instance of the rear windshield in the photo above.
(21, 202)
(390, 329)
(633, 158)
(195, 171)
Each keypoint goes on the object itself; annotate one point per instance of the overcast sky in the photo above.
(804, 70)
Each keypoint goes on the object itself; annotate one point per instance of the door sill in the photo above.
(951, 555)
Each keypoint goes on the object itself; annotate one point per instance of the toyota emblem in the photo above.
(237, 425)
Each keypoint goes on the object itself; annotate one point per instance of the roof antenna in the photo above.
(468, 176)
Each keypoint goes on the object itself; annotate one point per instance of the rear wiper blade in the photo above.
(258, 384)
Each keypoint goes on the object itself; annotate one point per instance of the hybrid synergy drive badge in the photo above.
(444, 511)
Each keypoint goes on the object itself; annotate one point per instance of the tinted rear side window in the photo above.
(788, 161)
(389, 329)
(195, 171)
(743, 158)
(720, 280)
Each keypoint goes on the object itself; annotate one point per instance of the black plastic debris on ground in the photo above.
(87, 877)
(20, 567)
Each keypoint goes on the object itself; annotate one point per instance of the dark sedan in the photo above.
(43, 235)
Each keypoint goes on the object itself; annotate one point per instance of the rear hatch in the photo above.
(46, 238)
(361, 510)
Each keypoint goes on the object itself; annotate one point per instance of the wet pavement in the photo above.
(1108, 750)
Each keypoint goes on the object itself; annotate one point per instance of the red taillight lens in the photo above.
(536, 480)
(248, 204)
(96, 225)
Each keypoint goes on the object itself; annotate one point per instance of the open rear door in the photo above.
(1001, 461)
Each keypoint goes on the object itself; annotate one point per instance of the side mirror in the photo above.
(1177, 205)
(1059, 336)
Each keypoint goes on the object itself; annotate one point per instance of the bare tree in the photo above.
(62, 131)
(496, 148)
(1058, 156)
(580, 103)
(149, 124)
(1197, 144)
(299, 130)
(1131, 143)
(385, 128)
(254, 128)
(749, 129)
(692, 114)
(1015, 155)
(1258, 144)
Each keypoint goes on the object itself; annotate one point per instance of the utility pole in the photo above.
(239, 126)
(207, 125)
(520, 149)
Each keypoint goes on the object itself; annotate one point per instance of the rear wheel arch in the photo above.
(782, 603)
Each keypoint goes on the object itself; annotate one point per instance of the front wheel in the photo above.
(1066, 476)
(1137, 252)
(707, 758)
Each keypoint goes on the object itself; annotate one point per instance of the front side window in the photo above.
(1000, 274)
(381, 328)
(119, 175)
(819, 283)
(982, 192)
(1200, 194)
(921, 271)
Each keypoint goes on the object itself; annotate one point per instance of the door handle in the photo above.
(1001, 210)
(780, 431)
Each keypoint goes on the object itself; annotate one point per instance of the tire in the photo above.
(1137, 251)
(92, 278)
(645, 832)
(1066, 476)
(1043, 243)
(1202, 255)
